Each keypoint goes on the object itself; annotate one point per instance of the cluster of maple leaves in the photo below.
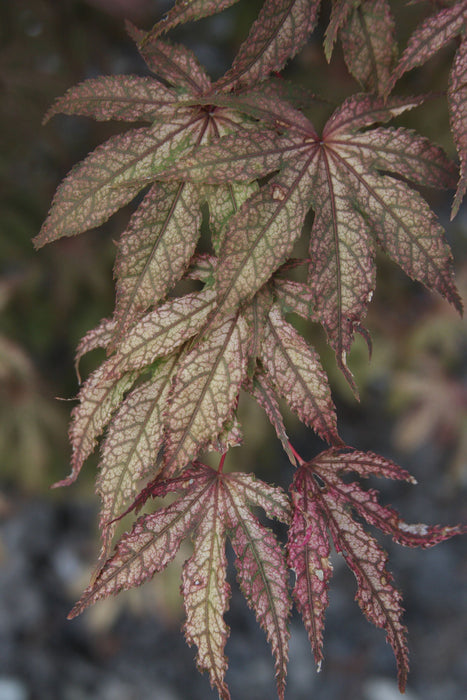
(243, 150)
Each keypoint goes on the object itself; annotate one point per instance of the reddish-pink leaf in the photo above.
(99, 397)
(296, 371)
(457, 94)
(155, 249)
(125, 97)
(340, 11)
(430, 36)
(281, 29)
(324, 502)
(151, 545)
(187, 11)
(99, 337)
(204, 392)
(369, 44)
(308, 557)
(262, 576)
(111, 176)
(206, 593)
(176, 64)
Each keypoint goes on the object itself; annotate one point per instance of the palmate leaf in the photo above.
(324, 504)
(346, 175)
(211, 506)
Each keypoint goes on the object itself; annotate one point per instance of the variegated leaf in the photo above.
(279, 32)
(369, 44)
(262, 576)
(295, 369)
(161, 331)
(430, 36)
(99, 397)
(457, 94)
(125, 97)
(308, 557)
(130, 449)
(155, 249)
(112, 175)
(151, 545)
(261, 235)
(342, 268)
(323, 501)
(204, 392)
(206, 593)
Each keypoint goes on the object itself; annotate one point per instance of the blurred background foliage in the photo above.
(414, 390)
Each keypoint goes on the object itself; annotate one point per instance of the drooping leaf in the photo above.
(111, 176)
(369, 44)
(430, 36)
(99, 397)
(279, 32)
(457, 94)
(125, 97)
(161, 331)
(130, 449)
(263, 392)
(262, 576)
(188, 11)
(151, 545)
(261, 236)
(204, 392)
(206, 594)
(324, 503)
(297, 374)
(99, 337)
(340, 11)
(212, 505)
(176, 64)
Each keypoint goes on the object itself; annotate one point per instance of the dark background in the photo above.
(413, 407)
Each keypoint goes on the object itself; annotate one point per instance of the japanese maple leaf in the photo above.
(367, 34)
(155, 249)
(346, 176)
(431, 35)
(324, 506)
(210, 507)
